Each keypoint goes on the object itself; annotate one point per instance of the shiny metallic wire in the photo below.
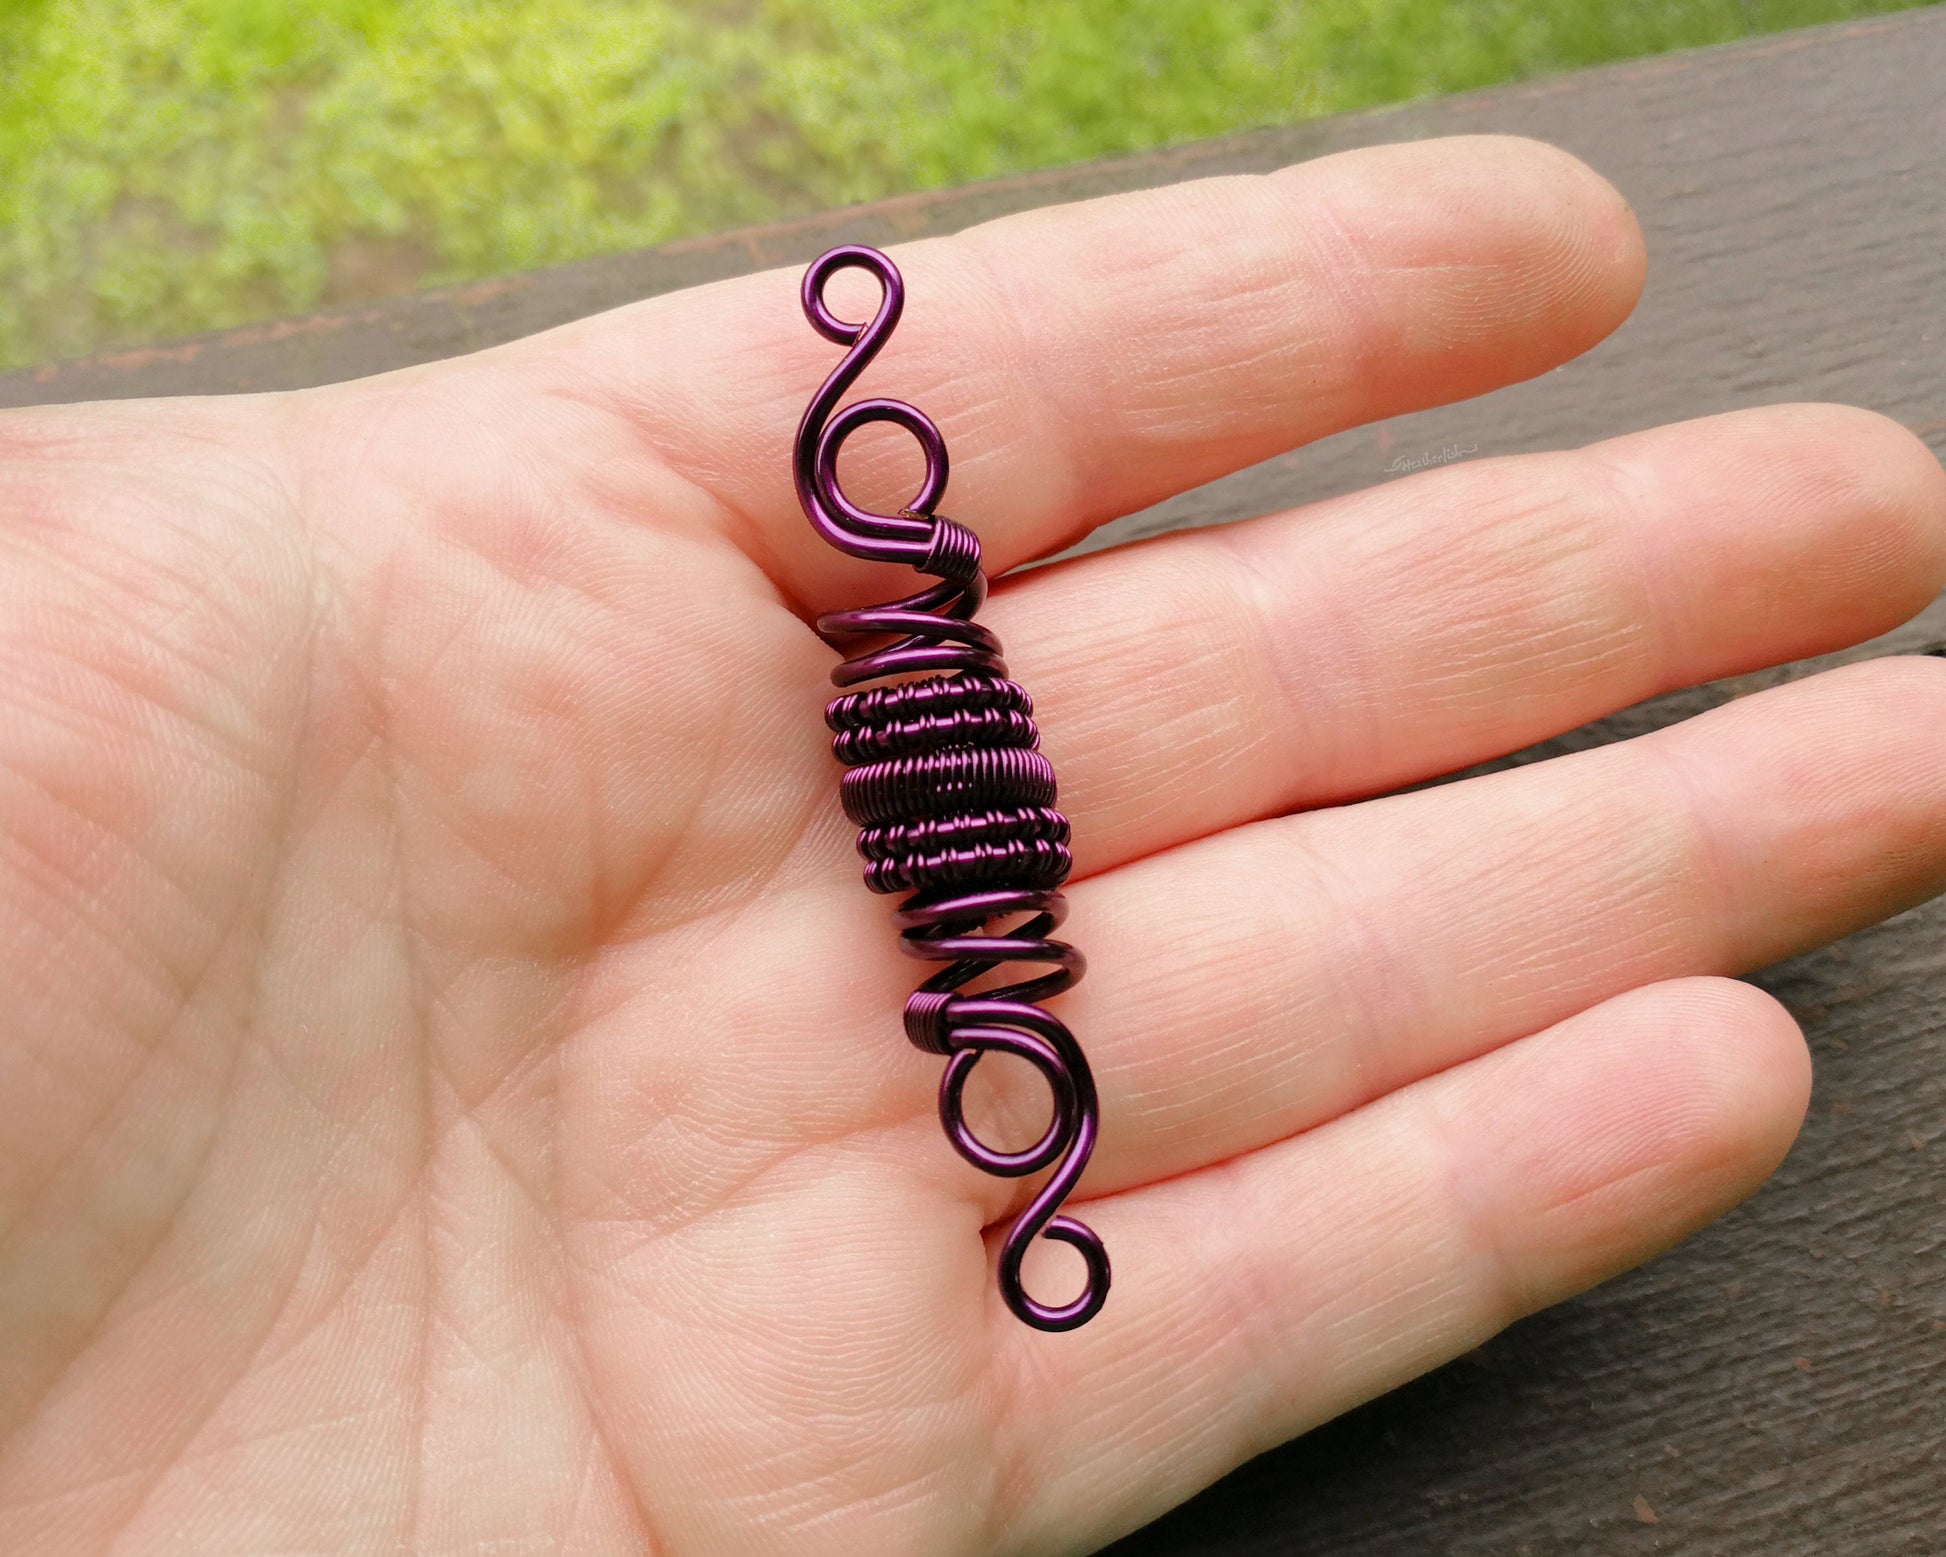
(955, 801)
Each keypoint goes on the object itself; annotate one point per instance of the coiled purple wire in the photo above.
(954, 798)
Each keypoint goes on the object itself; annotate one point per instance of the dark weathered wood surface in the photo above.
(1778, 1385)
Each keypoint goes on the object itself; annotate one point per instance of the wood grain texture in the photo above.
(1777, 1386)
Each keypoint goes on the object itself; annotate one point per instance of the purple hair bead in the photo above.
(955, 802)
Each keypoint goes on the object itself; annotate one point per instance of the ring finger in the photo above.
(1253, 985)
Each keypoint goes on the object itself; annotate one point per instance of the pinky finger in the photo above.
(1259, 1297)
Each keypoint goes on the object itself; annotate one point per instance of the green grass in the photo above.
(175, 165)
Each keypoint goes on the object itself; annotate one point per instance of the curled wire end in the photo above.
(955, 801)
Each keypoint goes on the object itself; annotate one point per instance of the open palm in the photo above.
(452, 1096)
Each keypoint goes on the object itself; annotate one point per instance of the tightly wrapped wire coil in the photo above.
(955, 802)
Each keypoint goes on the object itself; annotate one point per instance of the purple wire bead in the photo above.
(955, 802)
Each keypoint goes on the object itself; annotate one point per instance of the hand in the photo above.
(452, 1096)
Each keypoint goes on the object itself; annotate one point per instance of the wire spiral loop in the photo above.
(953, 798)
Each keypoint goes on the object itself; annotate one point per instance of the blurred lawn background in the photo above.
(168, 166)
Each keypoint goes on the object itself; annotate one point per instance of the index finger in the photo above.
(1085, 361)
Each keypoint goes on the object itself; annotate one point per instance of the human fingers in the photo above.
(1212, 677)
(1259, 983)
(1259, 1297)
(1089, 359)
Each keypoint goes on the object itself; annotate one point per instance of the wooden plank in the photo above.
(1775, 1386)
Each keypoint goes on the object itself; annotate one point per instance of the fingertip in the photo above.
(1591, 277)
(1596, 217)
(1722, 1070)
(1868, 482)
(1738, 1049)
(1503, 257)
(1901, 496)
(1632, 1125)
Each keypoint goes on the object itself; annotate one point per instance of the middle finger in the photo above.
(1210, 678)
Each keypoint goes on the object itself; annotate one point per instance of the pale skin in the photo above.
(452, 1097)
